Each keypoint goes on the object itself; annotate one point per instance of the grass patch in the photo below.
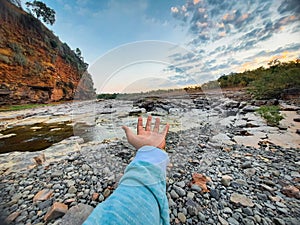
(21, 107)
(271, 114)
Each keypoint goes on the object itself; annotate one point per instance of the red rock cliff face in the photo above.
(35, 66)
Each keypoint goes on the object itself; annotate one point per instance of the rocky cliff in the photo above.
(35, 66)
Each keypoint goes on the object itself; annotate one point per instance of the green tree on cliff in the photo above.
(42, 11)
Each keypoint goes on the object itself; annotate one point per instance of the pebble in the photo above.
(226, 180)
(232, 221)
(181, 192)
(181, 217)
(174, 195)
(195, 187)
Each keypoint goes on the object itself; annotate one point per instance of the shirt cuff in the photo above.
(154, 156)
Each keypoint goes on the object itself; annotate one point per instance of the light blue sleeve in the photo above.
(141, 195)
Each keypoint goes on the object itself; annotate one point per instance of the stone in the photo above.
(72, 190)
(278, 221)
(250, 108)
(181, 217)
(225, 180)
(195, 187)
(257, 218)
(280, 204)
(291, 191)
(43, 195)
(247, 211)
(250, 172)
(12, 217)
(70, 183)
(222, 138)
(241, 199)
(232, 221)
(56, 173)
(266, 187)
(40, 159)
(58, 209)
(76, 215)
(214, 193)
(174, 195)
(106, 192)
(227, 210)
(190, 195)
(95, 196)
(85, 167)
(246, 165)
(201, 180)
(180, 191)
(180, 184)
(222, 220)
(45, 204)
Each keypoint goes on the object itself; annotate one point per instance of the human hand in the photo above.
(146, 136)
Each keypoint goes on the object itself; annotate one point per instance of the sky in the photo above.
(134, 45)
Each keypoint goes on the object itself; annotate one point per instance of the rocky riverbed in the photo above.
(227, 166)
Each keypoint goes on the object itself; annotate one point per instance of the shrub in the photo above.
(53, 43)
(4, 58)
(271, 114)
(20, 59)
(15, 47)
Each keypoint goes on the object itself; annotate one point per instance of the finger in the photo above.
(166, 130)
(148, 124)
(128, 132)
(140, 125)
(156, 125)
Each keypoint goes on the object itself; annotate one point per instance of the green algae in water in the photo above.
(28, 139)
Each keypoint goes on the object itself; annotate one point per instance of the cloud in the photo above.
(289, 6)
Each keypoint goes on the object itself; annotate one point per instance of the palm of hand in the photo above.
(146, 136)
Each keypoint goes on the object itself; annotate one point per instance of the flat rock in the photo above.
(241, 199)
(43, 195)
(222, 138)
(250, 108)
(58, 209)
(76, 215)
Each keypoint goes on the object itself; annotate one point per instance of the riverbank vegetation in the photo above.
(263, 83)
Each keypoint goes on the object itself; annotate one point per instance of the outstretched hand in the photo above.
(146, 136)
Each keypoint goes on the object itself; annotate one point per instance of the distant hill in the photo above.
(35, 66)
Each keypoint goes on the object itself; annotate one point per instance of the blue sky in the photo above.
(212, 37)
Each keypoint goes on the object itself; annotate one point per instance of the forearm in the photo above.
(140, 197)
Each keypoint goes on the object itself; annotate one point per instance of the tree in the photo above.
(78, 53)
(41, 10)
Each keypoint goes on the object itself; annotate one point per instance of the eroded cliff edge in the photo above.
(35, 66)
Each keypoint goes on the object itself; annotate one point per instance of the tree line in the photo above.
(263, 83)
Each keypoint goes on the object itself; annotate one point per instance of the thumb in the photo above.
(128, 132)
